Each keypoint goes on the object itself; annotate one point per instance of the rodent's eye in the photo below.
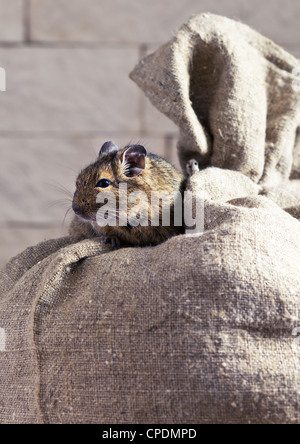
(103, 183)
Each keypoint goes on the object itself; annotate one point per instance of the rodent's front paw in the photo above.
(114, 241)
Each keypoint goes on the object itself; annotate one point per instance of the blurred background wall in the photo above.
(67, 64)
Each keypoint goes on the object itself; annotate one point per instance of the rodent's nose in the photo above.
(76, 209)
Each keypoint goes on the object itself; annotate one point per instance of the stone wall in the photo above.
(67, 65)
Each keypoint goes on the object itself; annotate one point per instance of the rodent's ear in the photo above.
(108, 147)
(134, 160)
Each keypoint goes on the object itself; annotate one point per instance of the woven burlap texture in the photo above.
(233, 94)
(200, 329)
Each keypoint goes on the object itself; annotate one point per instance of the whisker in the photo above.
(66, 215)
(63, 190)
(112, 213)
(92, 148)
(59, 202)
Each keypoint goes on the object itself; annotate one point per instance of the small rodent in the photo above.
(192, 167)
(141, 172)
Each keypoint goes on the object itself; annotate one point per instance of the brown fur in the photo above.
(158, 175)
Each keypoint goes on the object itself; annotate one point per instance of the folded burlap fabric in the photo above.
(199, 329)
(233, 94)
(196, 330)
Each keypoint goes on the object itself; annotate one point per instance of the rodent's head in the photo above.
(112, 167)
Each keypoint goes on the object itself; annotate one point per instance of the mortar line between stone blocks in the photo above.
(28, 42)
(30, 225)
(19, 134)
(26, 21)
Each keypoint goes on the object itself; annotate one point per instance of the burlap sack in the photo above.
(196, 330)
(200, 329)
(234, 95)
